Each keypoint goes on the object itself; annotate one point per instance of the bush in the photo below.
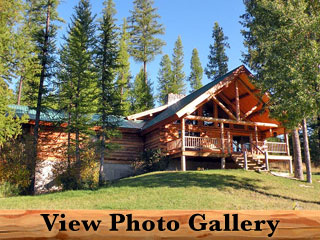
(151, 160)
(88, 178)
(8, 189)
(14, 162)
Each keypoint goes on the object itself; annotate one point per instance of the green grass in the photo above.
(213, 189)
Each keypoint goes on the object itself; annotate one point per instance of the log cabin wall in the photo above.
(130, 147)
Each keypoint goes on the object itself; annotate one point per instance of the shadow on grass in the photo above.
(194, 179)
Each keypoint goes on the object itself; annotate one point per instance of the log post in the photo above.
(183, 144)
(215, 112)
(237, 101)
(223, 159)
(286, 138)
(256, 135)
(245, 156)
(229, 142)
(290, 166)
(266, 159)
(251, 146)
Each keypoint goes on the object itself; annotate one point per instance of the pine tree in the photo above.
(178, 75)
(142, 98)
(10, 16)
(78, 76)
(108, 98)
(123, 72)
(196, 71)
(43, 16)
(283, 53)
(164, 78)
(144, 30)
(218, 60)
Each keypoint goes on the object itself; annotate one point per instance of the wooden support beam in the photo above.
(256, 134)
(183, 144)
(286, 139)
(227, 101)
(290, 166)
(230, 121)
(237, 100)
(183, 126)
(247, 114)
(215, 112)
(222, 136)
(223, 163)
(223, 107)
(267, 160)
(250, 91)
(245, 156)
(229, 142)
(183, 163)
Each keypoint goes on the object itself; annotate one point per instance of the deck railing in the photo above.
(197, 143)
(202, 143)
(277, 147)
(175, 144)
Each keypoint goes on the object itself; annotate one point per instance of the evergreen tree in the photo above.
(123, 77)
(196, 71)
(109, 98)
(78, 77)
(165, 78)
(218, 60)
(10, 15)
(178, 75)
(43, 16)
(144, 30)
(142, 98)
(285, 56)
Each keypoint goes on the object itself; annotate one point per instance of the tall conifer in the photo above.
(165, 78)
(108, 98)
(196, 71)
(178, 75)
(78, 74)
(123, 72)
(144, 29)
(218, 60)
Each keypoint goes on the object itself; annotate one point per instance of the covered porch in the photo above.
(245, 149)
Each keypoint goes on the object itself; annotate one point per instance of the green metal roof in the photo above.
(174, 108)
(50, 115)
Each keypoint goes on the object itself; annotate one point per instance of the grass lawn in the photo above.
(212, 189)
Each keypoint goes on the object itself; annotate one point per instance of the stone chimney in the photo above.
(172, 98)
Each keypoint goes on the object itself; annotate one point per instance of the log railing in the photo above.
(175, 144)
(277, 147)
(202, 143)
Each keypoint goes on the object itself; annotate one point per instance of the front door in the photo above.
(240, 143)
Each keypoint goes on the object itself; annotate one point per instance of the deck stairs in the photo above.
(255, 162)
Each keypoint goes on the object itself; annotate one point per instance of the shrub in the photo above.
(151, 160)
(14, 162)
(8, 189)
(88, 178)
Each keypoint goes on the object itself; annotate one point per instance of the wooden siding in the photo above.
(130, 147)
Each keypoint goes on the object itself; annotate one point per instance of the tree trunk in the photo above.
(145, 72)
(318, 125)
(20, 90)
(307, 151)
(298, 173)
(37, 120)
(102, 152)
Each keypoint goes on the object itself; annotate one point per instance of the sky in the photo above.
(193, 20)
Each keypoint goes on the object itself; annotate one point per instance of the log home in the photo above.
(224, 124)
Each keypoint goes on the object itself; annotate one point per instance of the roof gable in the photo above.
(180, 107)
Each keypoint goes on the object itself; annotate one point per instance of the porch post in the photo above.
(215, 112)
(183, 157)
(229, 142)
(237, 101)
(266, 159)
(287, 143)
(251, 146)
(256, 135)
(245, 156)
(223, 159)
(290, 166)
